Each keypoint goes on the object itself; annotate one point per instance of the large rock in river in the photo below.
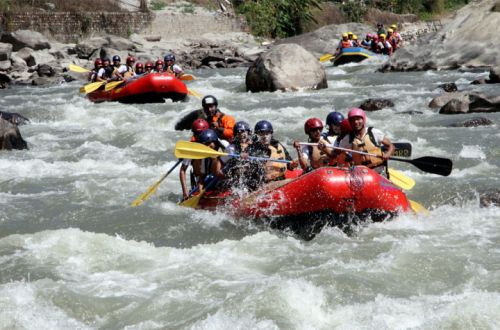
(286, 67)
(26, 38)
(10, 137)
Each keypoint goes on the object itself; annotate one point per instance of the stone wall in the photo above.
(71, 27)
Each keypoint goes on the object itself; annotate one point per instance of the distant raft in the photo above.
(352, 55)
(151, 88)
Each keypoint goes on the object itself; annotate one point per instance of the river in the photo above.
(75, 255)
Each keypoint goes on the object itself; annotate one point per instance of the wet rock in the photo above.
(5, 65)
(494, 75)
(153, 38)
(489, 198)
(26, 38)
(26, 54)
(376, 104)
(4, 78)
(120, 44)
(441, 100)
(449, 87)
(278, 70)
(14, 117)
(5, 51)
(411, 112)
(455, 106)
(474, 122)
(480, 81)
(10, 136)
(87, 48)
(45, 70)
(42, 81)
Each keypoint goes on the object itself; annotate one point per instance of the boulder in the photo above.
(5, 51)
(440, 101)
(42, 81)
(26, 38)
(490, 198)
(474, 122)
(472, 102)
(14, 117)
(45, 70)
(120, 43)
(455, 106)
(376, 104)
(4, 79)
(449, 87)
(286, 67)
(494, 75)
(87, 48)
(26, 54)
(10, 136)
(5, 65)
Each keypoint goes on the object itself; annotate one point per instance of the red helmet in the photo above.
(97, 62)
(345, 127)
(357, 112)
(199, 125)
(312, 123)
(149, 64)
(159, 62)
(130, 59)
(139, 65)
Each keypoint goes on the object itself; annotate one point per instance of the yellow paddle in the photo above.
(89, 88)
(193, 201)
(152, 189)
(187, 77)
(113, 85)
(76, 68)
(418, 208)
(195, 94)
(401, 180)
(326, 58)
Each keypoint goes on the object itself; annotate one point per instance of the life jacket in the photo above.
(169, 69)
(394, 42)
(366, 144)
(275, 171)
(225, 121)
(346, 43)
(318, 158)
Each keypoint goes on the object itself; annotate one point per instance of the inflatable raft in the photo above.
(151, 88)
(328, 194)
(352, 55)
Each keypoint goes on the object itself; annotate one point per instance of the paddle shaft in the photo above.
(264, 159)
(436, 165)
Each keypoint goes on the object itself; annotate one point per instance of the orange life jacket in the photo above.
(366, 144)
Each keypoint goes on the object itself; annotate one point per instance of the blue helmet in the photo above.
(263, 126)
(208, 136)
(116, 58)
(169, 57)
(334, 118)
(241, 126)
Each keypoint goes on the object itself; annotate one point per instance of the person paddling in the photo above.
(130, 67)
(312, 157)
(237, 168)
(333, 121)
(149, 67)
(171, 67)
(366, 139)
(159, 66)
(118, 69)
(139, 69)
(105, 72)
(93, 74)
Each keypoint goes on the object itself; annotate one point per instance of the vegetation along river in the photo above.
(74, 254)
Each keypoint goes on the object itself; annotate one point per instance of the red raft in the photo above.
(151, 88)
(327, 195)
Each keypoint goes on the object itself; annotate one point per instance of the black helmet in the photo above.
(169, 57)
(209, 100)
(116, 58)
(241, 126)
(263, 126)
(334, 118)
(208, 136)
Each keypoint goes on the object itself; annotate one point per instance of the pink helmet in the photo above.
(369, 35)
(357, 112)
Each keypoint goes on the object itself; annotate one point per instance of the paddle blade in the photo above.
(326, 57)
(112, 85)
(403, 149)
(76, 68)
(195, 94)
(193, 150)
(145, 195)
(187, 77)
(418, 208)
(93, 86)
(401, 180)
(193, 201)
(436, 165)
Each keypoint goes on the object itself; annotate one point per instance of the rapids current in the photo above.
(75, 255)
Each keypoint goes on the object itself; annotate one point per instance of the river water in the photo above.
(75, 255)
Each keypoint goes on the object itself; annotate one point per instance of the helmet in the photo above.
(169, 57)
(149, 64)
(380, 24)
(199, 125)
(334, 118)
(209, 100)
(105, 59)
(159, 62)
(390, 30)
(349, 33)
(97, 62)
(311, 124)
(381, 35)
(241, 126)
(344, 35)
(139, 65)
(357, 112)
(263, 126)
(369, 35)
(208, 136)
(130, 59)
(116, 58)
(355, 37)
(345, 127)
(394, 26)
